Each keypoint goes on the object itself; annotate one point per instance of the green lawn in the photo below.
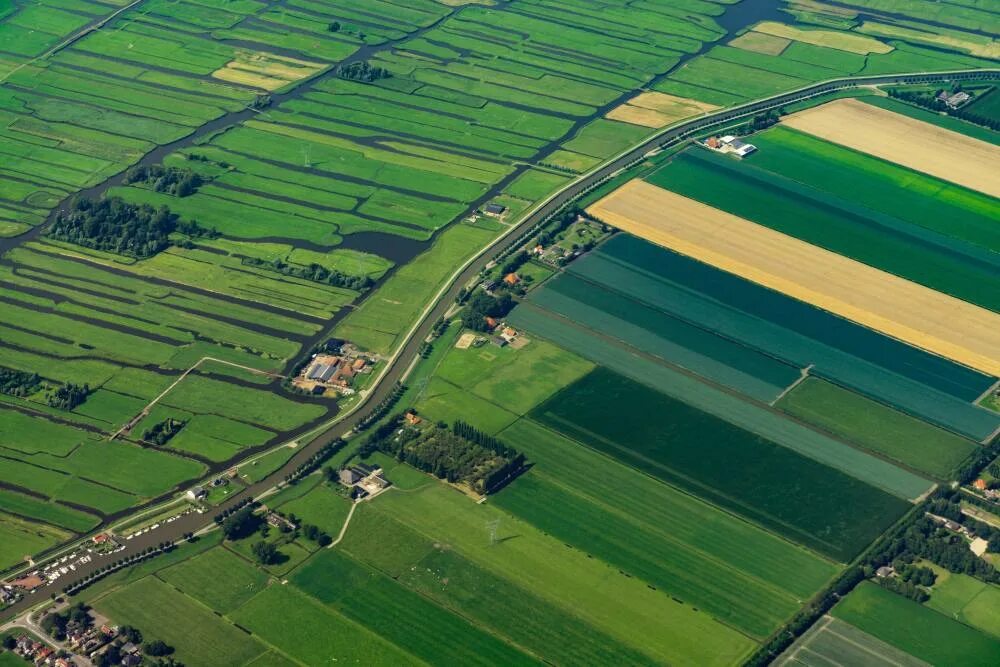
(47, 512)
(877, 427)
(321, 506)
(968, 600)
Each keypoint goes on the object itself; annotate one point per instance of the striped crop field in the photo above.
(912, 380)
(958, 331)
(683, 445)
(948, 155)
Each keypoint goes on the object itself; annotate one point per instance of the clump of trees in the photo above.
(161, 433)
(458, 454)
(18, 383)
(481, 306)
(56, 623)
(315, 272)
(68, 396)
(266, 553)
(176, 181)
(241, 523)
(363, 72)
(114, 225)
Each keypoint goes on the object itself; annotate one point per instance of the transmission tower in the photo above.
(492, 526)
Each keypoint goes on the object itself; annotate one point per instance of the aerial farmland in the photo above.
(653, 332)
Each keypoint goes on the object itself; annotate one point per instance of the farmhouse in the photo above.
(731, 145)
(322, 368)
(884, 571)
(495, 210)
(196, 493)
(953, 100)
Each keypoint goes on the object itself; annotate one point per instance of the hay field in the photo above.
(921, 146)
(266, 70)
(833, 39)
(652, 109)
(899, 308)
(760, 42)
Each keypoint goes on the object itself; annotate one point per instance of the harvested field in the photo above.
(932, 150)
(829, 38)
(652, 109)
(899, 308)
(760, 42)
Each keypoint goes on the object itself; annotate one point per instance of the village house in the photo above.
(281, 523)
(196, 493)
(884, 571)
(953, 100)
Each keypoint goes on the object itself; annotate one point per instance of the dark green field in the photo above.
(735, 469)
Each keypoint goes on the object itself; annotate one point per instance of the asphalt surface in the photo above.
(194, 522)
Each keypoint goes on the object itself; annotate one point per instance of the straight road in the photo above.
(401, 360)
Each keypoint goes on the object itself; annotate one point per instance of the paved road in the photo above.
(402, 360)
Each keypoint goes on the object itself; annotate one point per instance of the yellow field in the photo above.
(652, 109)
(267, 71)
(912, 143)
(832, 39)
(899, 308)
(976, 45)
(759, 42)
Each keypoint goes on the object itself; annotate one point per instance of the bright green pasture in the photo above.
(918, 630)
(201, 394)
(311, 632)
(441, 400)
(401, 616)
(218, 578)
(378, 323)
(30, 434)
(534, 184)
(746, 577)
(640, 620)
(159, 611)
(877, 427)
(968, 600)
(20, 539)
(322, 506)
(603, 138)
(879, 185)
(47, 512)
(515, 379)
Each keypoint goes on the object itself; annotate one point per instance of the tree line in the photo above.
(481, 306)
(931, 101)
(314, 272)
(68, 396)
(363, 72)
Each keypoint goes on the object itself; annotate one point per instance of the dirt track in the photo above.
(902, 309)
(912, 143)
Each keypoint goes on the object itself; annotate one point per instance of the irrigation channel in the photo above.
(398, 249)
(399, 364)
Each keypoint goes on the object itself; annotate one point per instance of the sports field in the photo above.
(911, 143)
(894, 306)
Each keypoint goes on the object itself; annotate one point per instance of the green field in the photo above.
(558, 602)
(20, 539)
(311, 632)
(161, 612)
(682, 445)
(400, 615)
(217, 578)
(30, 507)
(832, 641)
(877, 427)
(968, 600)
(922, 632)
